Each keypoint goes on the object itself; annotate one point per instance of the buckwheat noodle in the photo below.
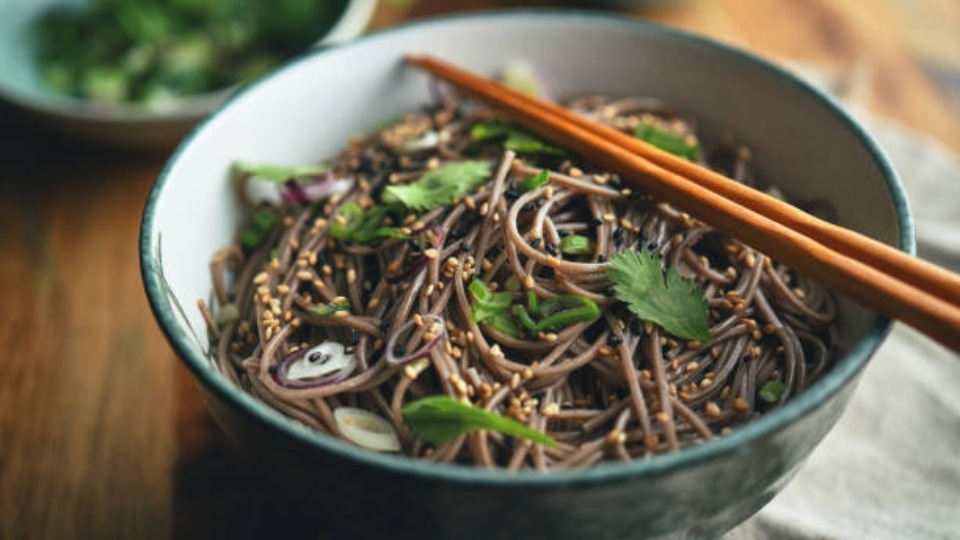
(612, 389)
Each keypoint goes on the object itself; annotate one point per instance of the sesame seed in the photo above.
(528, 281)
(610, 217)
(548, 192)
(260, 278)
(341, 314)
(740, 404)
(527, 373)
(663, 418)
(712, 409)
(484, 208)
(515, 381)
(706, 382)
(431, 253)
(283, 289)
(304, 275)
(692, 366)
(470, 203)
(351, 276)
(575, 172)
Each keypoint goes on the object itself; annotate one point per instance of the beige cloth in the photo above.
(890, 469)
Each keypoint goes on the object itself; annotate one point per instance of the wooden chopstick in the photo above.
(875, 275)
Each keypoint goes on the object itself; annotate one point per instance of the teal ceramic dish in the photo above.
(308, 109)
(121, 125)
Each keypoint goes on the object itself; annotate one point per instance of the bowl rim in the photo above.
(350, 23)
(846, 368)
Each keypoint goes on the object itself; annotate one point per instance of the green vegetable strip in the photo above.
(576, 245)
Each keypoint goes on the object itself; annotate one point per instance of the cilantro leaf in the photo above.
(278, 173)
(772, 391)
(674, 303)
(667, 141)
(440, 186)
(438, 419)
(515, 139)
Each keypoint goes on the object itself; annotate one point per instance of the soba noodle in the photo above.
(614, 388)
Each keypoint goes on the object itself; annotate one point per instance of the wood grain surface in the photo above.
(103, 433)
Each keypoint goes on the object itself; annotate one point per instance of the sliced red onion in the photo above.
(421, 261)
(322, 365)
(320, 188)
(424, 350)
(366, 429)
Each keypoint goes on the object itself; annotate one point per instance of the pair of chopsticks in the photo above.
(869, 272)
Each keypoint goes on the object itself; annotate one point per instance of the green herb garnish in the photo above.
(514, 138)
(555, 312)
(492, 308)
(440, 186)
(667, 141)
(327, 310)
(278, 173)
(438, 419)
(362, 225)
(672, 302)
(772, 391)
(261, 223)
(576, 245)
(534, 182)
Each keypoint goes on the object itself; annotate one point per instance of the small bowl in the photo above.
(800, 139)
(126, 125)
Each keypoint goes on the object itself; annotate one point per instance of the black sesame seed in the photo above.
(527, 207)
(465, 248)
(551, 248)
(535, 243)
(563, 233)
(609, 291)
(601, 258)
(384, 325)
(511, 193)
(539, 202)
(618, 233)
(615, 340)
(635, 327)
(594, 222)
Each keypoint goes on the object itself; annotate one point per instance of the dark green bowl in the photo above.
(306, 111)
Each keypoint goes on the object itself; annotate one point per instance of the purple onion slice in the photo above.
(424, 350)
(325, 364)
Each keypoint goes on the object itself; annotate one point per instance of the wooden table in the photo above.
(102, 432)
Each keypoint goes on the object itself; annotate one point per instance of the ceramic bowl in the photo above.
(308, 109)
(118, 125)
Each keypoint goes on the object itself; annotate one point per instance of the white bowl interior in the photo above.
(307, 111)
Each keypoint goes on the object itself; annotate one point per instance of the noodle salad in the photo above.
(452, 288)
